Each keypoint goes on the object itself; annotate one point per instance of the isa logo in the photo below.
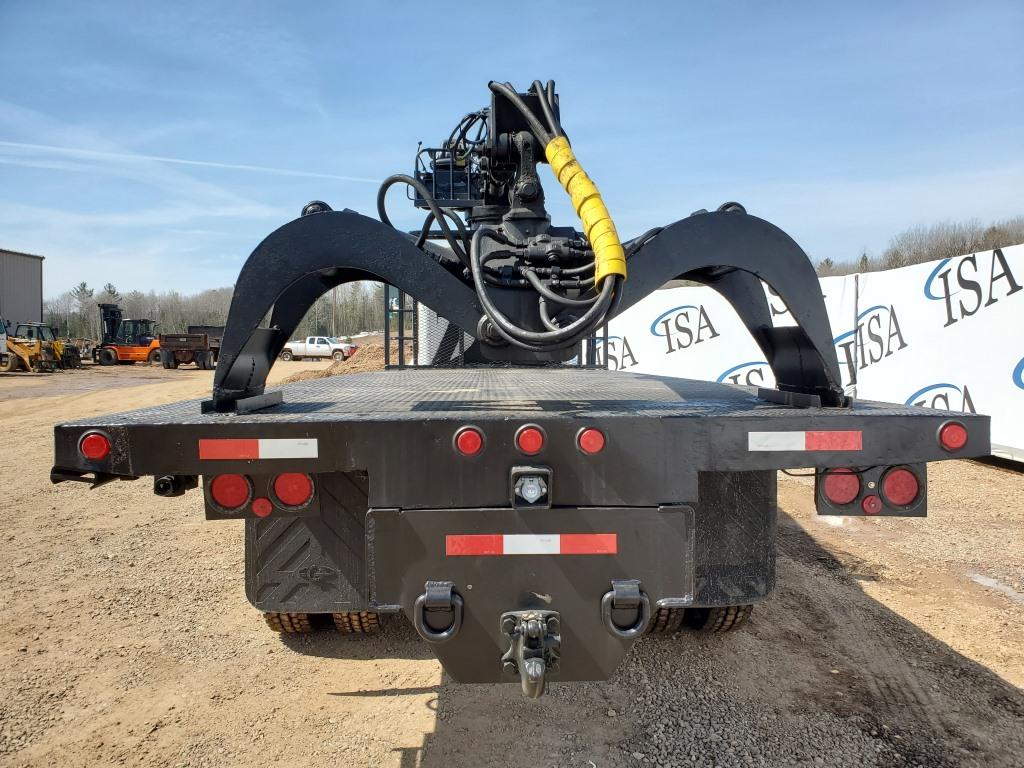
(752, 374)
(1018, 374)
(616, 354)
(683, 327)
(975, 286)
(944, 397)
(876, 337)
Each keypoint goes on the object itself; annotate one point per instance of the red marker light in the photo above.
(841, 486)
(871, 505)
(230, 492)
(530, 440)
(469, 441)
(952, 436)
(590, 440)
(293, 489)
(900, 487)
(262, 507)
(94, 446)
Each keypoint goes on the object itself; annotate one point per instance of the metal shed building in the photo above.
(21, 287)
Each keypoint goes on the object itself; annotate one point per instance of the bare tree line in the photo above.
(929, 243)
(344, 311)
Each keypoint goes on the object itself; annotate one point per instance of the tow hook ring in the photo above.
(438, 596)
(626, 593)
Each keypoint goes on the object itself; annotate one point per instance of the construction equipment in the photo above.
(28, 349)
(199, 345)
(65, 353)
(125, 341)
(509, 493)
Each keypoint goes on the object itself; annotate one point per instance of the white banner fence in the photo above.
(945, 334)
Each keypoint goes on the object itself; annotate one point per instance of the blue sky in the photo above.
(841, 123)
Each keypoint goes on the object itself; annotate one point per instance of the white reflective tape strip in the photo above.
(276, 448)
(776, 441)
(532, 544)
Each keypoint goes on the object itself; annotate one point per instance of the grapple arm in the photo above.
(301, 261)
(733, 252)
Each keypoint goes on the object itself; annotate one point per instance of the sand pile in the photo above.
(368, 358)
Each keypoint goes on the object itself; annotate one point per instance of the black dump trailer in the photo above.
(200, 344)
(529, 512)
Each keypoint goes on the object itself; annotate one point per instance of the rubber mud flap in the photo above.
(501, 560)
(311, 564)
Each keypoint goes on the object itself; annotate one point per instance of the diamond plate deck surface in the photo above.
(496, 393)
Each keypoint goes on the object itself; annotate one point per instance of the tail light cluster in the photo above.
(530, 440)
(289, 491)
(897, 490)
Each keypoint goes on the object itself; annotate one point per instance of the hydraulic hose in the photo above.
(533, 340)
(609, 255)
(401, 178)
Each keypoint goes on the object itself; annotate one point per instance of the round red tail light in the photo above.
(590, 440)
(900, 487)
(952, 436)
(469, 441)
(871, 505)
(841, 486)
(262, 507)
(293, 489)
(530, 440)
(94, 446)
(230, 492)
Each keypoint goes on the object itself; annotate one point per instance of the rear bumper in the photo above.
(412, 464)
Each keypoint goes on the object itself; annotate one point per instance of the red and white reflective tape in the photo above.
(848, 440)
(259, 448)
(458, 545)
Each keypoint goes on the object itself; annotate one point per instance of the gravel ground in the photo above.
(126, 639)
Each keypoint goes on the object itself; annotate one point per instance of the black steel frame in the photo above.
(728, 250)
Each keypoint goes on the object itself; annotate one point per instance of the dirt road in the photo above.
(125, 638)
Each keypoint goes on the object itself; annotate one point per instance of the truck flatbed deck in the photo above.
(377, 422)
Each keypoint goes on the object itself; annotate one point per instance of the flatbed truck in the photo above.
(530, 513)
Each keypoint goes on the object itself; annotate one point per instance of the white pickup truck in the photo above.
(318, 346)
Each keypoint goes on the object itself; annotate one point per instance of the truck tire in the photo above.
(154, 357)
(199, 358)
(13, 364)
(357, 623)
(666, 621)
(288, 623)
(716, 620)
(338, 355)
(286, 355)
(107, 357)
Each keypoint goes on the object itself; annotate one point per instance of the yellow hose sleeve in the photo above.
(609, 256)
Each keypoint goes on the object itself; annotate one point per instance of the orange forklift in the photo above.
(125, 341)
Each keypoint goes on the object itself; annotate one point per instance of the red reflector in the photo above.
(262, 507)
(841, 486)
(469, 441)
(230, 491)
(871, 505)
(474, 544)
(953, 436)
(94, 446)
(589, 544)
(293, 489)
(530, 440)
(900, 487)
(591, 440)
(833, 441)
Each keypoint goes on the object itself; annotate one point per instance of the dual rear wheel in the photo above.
(347, 623)
(667, 621)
